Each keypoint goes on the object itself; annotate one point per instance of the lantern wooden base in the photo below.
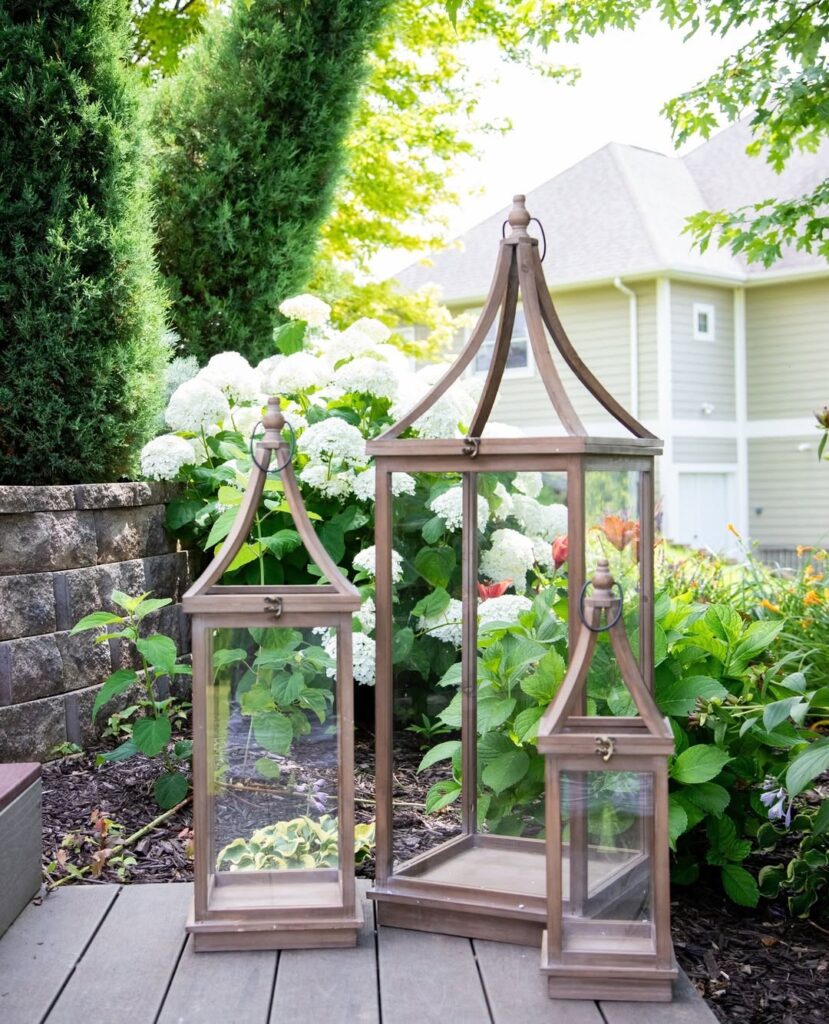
(605, 980)
(487, 887)
(243, 933)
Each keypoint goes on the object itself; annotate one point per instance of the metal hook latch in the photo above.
(471, 446)
(273, 605)
(605, 746)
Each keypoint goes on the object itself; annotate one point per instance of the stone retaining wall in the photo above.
(63, 550)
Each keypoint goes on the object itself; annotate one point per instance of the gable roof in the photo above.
(621, 211)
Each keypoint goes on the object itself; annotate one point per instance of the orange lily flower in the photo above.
(487, 590)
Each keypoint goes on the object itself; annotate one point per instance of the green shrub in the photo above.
(250, 145)
(82, 356)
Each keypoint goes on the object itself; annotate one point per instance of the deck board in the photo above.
(332, 984)
(127, 944)
(40, 950)
(517, 991)
(131, 959)
(687, 1008)
(209, 988)
(429, 979)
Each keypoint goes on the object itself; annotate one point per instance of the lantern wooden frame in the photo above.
(423, 893)
(249, 910)
(587, 952)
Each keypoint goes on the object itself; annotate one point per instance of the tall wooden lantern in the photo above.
(273, 758)
(486, 876)
(608, 924)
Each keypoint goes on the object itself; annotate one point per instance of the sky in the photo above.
(626, 78)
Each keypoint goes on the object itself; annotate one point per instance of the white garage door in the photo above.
(706, 506)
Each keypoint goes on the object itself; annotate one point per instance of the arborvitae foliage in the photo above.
(81, 310)
(250, 145)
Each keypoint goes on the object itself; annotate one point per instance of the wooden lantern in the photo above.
(608, 923)
(273, 757)
(482, 883)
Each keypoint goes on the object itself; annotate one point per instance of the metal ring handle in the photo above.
(607, 625)
(282, 465)
(541, 229)
(543, 236)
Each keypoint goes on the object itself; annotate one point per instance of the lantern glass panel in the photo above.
(273, 756)
(495, 787)
(607, 883)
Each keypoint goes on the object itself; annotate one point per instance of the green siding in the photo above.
(791, 488)
(646, 307)
(702, 371)
(705, 450)
(596, 322)
(787, 329)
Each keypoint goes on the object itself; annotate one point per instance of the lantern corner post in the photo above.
(384, 680)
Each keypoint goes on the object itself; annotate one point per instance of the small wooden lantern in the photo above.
(273, 757)
(487, 881)
(608, 917)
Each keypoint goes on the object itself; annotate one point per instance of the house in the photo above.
(725, 360)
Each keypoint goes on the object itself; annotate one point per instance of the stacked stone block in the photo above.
(63, 550)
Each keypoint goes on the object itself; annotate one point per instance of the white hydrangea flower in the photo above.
(402, 483)
(376, 331)
(367, 376)
(446, 626)
(196, 405)
(296, 372)
(265, 369)
(332, 485)
(547, 521)
(364, 484)
(543, 551)
(364, 656)
(306, 307)
(506, 608)
(528, 483)
(365, 561)
(449, 506)
(245, 418)
(163, 457)
(333, 438)
(510, 558)
(395, 358)
(367, 616)
(179, 370)
(233, 375)
(200, 452)
(506, 508)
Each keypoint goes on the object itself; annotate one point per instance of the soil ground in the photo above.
(752, 966)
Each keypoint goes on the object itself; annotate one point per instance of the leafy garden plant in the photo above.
(303, 842)
(151, 731)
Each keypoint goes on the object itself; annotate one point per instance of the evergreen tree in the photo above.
(250, 146)
(81, 310)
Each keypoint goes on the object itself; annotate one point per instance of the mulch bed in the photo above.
(752, 967)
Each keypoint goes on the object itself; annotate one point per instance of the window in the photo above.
(703, 321)
(519, 361)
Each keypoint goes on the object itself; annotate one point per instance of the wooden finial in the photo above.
(519, 217)
(273, 418)
(602, 580)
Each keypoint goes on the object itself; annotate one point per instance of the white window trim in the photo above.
(509, 371)
(708, 309)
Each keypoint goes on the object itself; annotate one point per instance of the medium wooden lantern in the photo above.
(487, 881)
(608, 921)
(273, 758)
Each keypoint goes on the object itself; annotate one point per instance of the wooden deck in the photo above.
(120, 954)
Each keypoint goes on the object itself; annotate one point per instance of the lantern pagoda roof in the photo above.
(338, 595)
(563, 725)
(519, 274)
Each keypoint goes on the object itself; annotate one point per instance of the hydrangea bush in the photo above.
(339, 388)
